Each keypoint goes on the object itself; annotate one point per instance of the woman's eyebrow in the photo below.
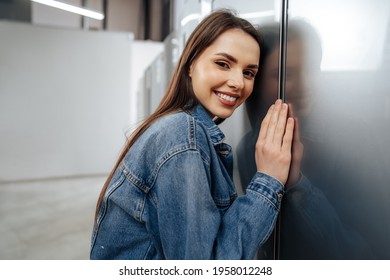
(228, 56)
(233, 59)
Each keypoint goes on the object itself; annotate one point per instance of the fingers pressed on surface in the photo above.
(273, 121)
(288, 136)
(281, 125)
(265, 124)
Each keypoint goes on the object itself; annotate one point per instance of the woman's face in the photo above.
(223, 75)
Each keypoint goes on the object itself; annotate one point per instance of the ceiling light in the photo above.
(71, 8)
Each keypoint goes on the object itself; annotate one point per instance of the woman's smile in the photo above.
(227, 99)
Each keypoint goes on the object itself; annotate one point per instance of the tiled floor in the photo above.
(49, 219)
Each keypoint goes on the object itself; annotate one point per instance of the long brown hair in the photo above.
(179, 95)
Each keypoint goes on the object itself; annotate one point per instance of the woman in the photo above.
(171, 193)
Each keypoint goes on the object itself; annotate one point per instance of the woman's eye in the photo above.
(222, 64)
(249, 74)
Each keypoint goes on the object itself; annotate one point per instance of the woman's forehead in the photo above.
(237, 43)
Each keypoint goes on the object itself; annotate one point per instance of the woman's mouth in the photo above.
(226, 99)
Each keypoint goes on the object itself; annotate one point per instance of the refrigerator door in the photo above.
(338, 88)
(337, 85)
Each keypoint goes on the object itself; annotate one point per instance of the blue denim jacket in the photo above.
(173, 197)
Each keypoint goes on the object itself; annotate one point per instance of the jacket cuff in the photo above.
(268, 187)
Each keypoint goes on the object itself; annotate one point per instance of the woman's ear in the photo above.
(192, 67)
(190, 71)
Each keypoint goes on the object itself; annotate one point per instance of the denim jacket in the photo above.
(173, 197)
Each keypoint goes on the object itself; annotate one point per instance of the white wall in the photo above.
(64, 100)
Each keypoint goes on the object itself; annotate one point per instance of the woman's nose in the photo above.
(236, 82)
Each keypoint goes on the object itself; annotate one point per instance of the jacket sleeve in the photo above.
(192, 227)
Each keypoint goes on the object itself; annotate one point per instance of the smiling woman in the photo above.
(223, 75)
(171, 194)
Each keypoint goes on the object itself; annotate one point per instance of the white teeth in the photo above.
(226, 97)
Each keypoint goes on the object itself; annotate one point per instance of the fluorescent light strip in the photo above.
(71, 8)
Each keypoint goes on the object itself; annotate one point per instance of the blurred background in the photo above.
(72, 88)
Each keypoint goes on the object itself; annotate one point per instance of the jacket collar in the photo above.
(201, 115)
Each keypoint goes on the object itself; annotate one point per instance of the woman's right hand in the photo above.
(273, 146)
